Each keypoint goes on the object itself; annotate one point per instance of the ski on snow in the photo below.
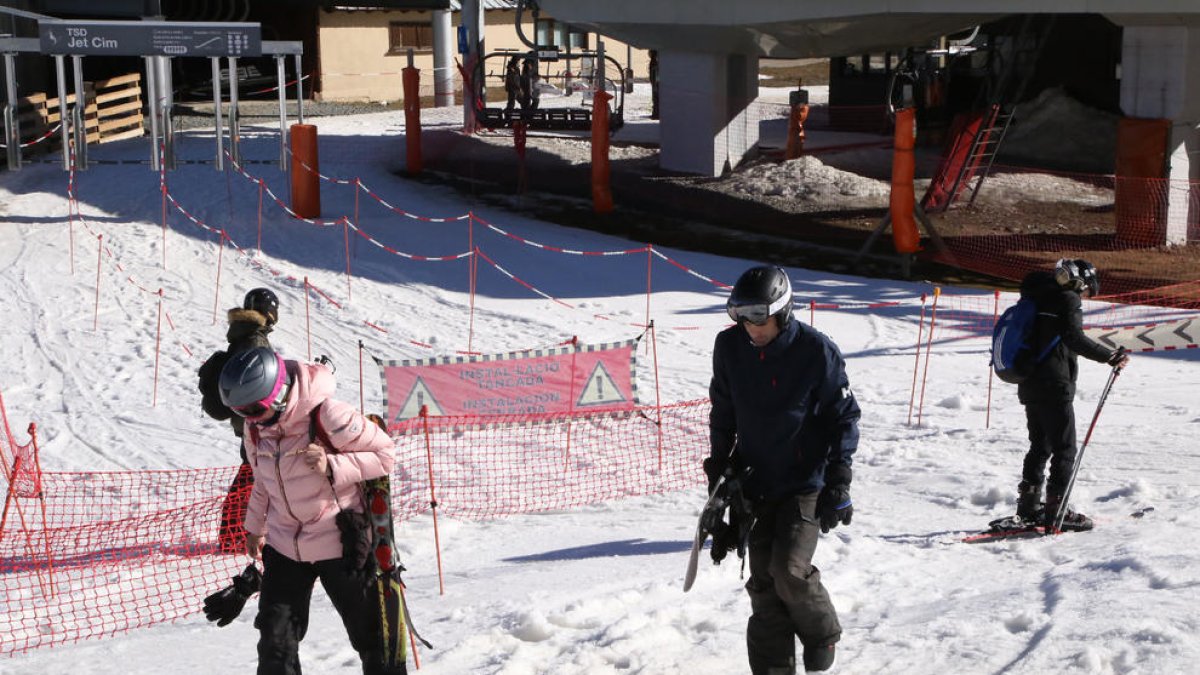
(1012, 528)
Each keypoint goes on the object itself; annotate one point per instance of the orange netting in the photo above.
(117, 550)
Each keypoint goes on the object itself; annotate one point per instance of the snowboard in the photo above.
(703, 529)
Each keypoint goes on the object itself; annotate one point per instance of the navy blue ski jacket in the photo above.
(1060, 314)
(788, 404)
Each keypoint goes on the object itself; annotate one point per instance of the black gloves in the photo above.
(1119, 358)
(714, 467)
(226, 604)
(833, 504)
(833, 507)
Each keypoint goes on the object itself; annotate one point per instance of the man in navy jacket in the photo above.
(779, 389)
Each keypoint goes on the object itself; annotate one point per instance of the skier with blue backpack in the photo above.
(1045, 374)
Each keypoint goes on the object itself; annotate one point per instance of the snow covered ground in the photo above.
(595, 589)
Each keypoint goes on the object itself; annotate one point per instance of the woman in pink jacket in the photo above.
(300, 486)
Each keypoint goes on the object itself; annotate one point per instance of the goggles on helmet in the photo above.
(758, 313)
(273, 403)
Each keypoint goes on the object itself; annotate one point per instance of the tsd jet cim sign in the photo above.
(150, 38)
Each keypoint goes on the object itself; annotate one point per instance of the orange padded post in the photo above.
(602, 201)
(412, 118)
(795, 134)
(903, 199)
(306, 181)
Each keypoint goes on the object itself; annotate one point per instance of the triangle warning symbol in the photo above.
(418, 396)
(600, 388)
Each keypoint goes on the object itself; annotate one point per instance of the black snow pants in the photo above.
(1051, 439)
(283, 607)
(787, 599)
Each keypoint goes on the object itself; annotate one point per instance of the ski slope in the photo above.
(595, 589)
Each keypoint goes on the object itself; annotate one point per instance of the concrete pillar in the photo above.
(444, 44)
(472, 18)
(1160, 78)
(708, 123)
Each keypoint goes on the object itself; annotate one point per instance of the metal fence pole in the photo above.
(64, 123)
(299, 90)
(152, 110)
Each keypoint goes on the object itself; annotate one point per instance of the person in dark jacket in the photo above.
(512, 86)
(1048, 393)
(249, 326)
(780, 393)
(530, 94)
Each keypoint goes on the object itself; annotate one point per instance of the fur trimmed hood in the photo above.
(248, 328)
(237, 314)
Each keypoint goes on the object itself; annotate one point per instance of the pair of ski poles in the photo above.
(1062, 506)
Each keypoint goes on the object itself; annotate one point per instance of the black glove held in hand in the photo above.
(833, 507)
(713, 468)
(226, 604)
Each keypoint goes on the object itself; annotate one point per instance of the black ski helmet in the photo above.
(263, 301)
(1077, 275)
(760, 293)
(254, 382)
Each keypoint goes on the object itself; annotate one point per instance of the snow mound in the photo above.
(805, 178)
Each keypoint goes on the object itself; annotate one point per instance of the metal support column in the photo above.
(153, 111)
(12, 126)
(235, 135)
(64, 122)
(218, 117)
(77, 121)
(281, 77)
(299, 90)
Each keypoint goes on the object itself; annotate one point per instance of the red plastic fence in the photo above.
(131, 549)
(1130, 247)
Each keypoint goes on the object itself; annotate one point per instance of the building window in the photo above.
(403, 36)
(559, 34)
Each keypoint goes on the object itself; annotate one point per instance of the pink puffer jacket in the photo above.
(292, 504)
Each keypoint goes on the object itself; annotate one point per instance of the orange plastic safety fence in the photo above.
(115, 551)
(1141, 233)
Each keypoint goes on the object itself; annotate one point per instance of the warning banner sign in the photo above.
(592, 378)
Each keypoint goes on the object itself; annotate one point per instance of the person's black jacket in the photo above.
(1060, 314)
(247, 329)
(788, 404)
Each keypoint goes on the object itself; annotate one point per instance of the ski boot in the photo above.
(1072, 521)
(1029, 502)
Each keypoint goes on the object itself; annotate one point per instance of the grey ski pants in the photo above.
(787, 599)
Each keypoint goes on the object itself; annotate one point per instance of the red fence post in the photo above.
(217, 290)
(433, 504)
(99, 260)
(928, 345)
(912, 395)
(157, 343)
(346, 240)
(991, 372)
(307, 320)
(260, 197)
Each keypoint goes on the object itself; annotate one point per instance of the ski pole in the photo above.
(1062, 506)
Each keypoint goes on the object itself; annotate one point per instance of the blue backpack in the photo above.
(1013, 356)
